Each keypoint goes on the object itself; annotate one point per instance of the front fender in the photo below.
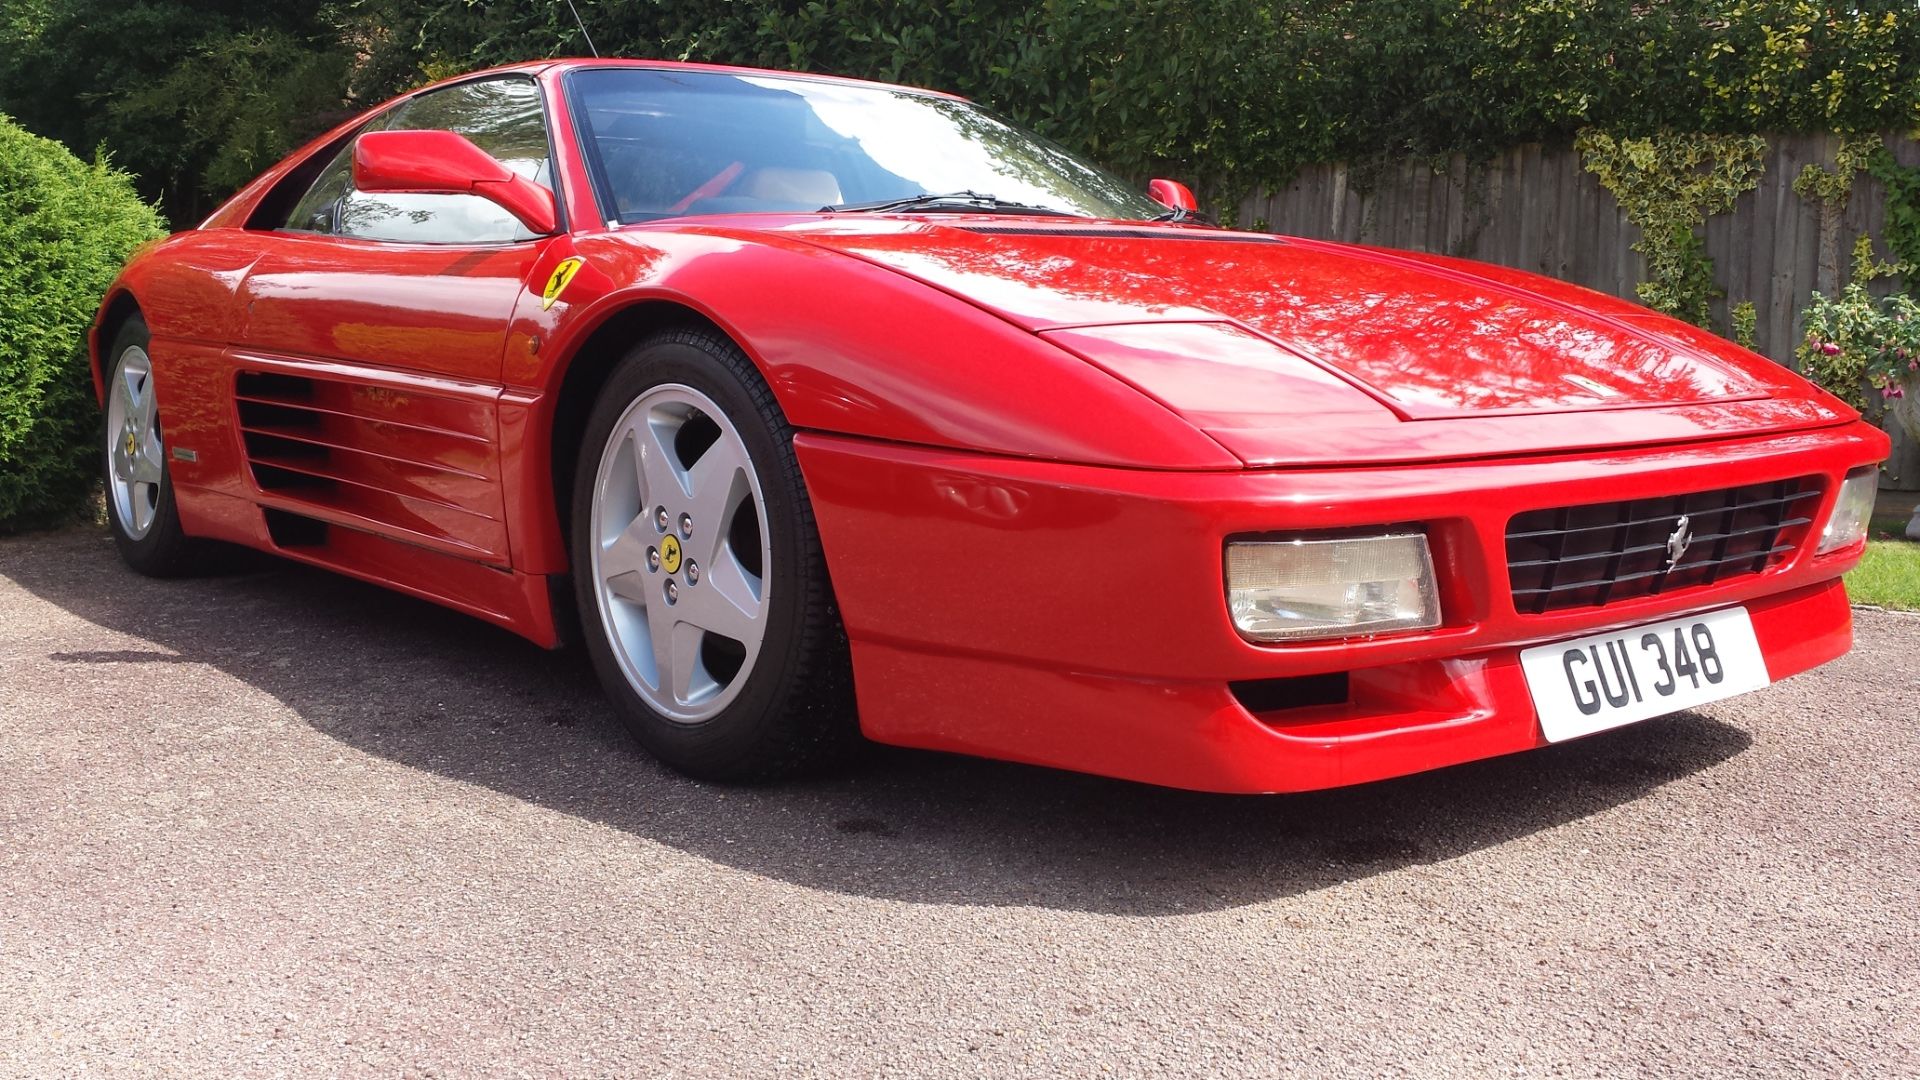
(856, 349)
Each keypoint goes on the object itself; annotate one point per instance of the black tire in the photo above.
(794, 712)
(164, 550)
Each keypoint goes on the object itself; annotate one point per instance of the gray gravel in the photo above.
(275, 822)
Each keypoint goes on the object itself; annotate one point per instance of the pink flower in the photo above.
(1894, 390)
(1830, 348)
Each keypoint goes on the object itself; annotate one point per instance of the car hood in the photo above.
(1351, 353)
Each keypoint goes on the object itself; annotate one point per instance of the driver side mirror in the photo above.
(447, 163)
(1173, 195)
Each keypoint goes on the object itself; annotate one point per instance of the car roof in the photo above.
(533, 67)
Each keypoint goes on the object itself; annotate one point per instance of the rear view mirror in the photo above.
(1173, 195)
(447, 163)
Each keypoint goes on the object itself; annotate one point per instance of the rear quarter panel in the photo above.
(186, 288)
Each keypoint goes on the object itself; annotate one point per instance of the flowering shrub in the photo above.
(1855, 343)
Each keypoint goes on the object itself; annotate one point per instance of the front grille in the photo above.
(1587, 556)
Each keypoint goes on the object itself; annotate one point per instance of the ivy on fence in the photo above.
(1669, 185)
(1902, 212)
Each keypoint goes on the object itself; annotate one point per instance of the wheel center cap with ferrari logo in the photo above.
(133, 444)
(670, 554)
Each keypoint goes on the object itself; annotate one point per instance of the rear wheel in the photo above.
(140, 507)
(701, 585)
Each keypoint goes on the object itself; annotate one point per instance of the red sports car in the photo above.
(825, 408)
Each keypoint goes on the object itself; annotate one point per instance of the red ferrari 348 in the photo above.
(825, 408)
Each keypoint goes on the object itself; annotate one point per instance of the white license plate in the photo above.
(1594, 683)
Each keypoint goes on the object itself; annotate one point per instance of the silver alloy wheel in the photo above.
(133, 443)
(680, 553)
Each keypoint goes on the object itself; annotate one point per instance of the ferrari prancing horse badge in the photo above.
(557, 284)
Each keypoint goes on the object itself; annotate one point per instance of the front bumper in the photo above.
(1075, 617)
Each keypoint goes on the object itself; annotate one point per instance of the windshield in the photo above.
(669, 142)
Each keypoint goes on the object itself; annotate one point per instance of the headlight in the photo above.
(1847, 525)
(1288, 590)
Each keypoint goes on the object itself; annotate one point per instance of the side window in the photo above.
(502, 116)
(314, 211)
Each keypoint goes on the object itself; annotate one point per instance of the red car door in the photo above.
(374, 328)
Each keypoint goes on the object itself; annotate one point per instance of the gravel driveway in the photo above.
(276, 822)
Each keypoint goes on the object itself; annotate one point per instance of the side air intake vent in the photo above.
(408, 465)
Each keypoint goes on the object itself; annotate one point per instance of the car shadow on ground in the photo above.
(437, 691)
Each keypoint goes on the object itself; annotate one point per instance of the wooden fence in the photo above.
(1540, 210)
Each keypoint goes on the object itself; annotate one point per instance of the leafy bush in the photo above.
(197, 96)
(65, 229)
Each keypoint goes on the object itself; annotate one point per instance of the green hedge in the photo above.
(65, 229)
(197, 95)
(1231, 94)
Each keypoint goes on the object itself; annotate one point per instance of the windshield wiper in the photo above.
(965, 202)
(1178, 215)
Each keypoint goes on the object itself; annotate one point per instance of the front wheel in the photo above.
(140, 507)
(701, 584)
